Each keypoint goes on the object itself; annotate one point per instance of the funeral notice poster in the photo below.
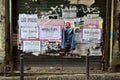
(31, 46)
(50, 32)
(27, 20)
(29, 34)
(91, 34)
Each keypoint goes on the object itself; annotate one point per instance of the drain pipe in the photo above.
(111, 34)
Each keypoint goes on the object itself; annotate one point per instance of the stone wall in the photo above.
(116, 37)
(2, 33)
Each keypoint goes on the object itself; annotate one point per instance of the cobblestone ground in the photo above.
(105, 76)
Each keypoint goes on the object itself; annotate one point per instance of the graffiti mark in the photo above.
(89, 9)
(83, 9)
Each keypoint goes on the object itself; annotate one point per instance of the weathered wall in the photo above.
(2, 33)
(116, 38)
(116, 49)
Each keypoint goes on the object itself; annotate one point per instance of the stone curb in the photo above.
(105, 76)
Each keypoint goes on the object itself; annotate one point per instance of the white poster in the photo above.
(31, 46)
(29, 33)
(85, 2)
(69, 12)
(50, 32)
(27, 20)
(32, 20)
(22, 22)
(91, 34)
